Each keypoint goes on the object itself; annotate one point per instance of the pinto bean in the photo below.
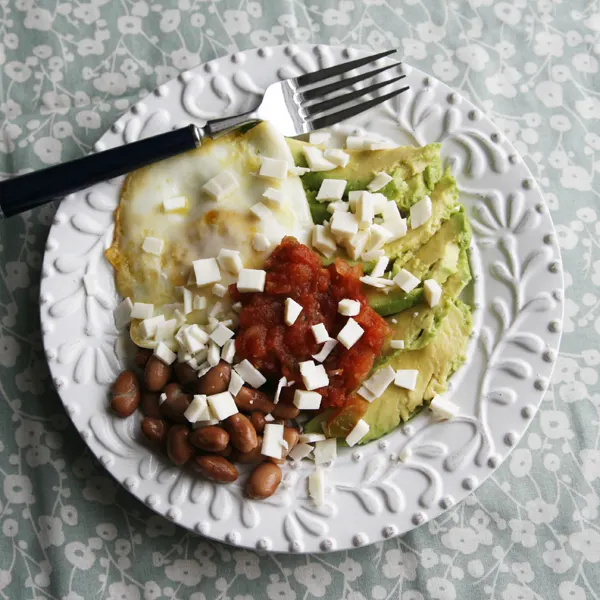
(249, 458)
(142, 356)
(156, 374)
(242, 432)
(285, 411)
(125, 394)
(179, 448)
(250, 400)
(210, 439)
(258, 420)
(216, 468)
(155, 429)
(185, 374)
(290, 435)
(176, 404)
(264, 481)
(150, 404)
(215, 381)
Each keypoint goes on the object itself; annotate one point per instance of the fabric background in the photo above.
(69, 532)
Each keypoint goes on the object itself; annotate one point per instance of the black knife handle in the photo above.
(40, 187)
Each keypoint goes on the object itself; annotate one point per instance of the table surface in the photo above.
(69, 532)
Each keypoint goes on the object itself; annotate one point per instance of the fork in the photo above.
(295, 106)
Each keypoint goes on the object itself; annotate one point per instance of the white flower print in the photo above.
(429, 558)
(517, 592)
(40, 455)
(550, 93)
(441, 589)
(400, 564)
(540, 511)
(446, 70)
(236, 21)
(100, 489)
(588, 543)
(569, 590)
(152, 590)
(187, 572)
(51, 532)
(18, 489)
(88, 119)
(48, 149)
(170, 20)
(88, 13)
(123, 591)
(588, 108)
(11, 109)
(111, 83)
(522, 571)
(131, 25)
(87, 47)
(548, 44)
(463, 539)
(555, 424)
(351, 569)
(557, 560)
(474, 55)
(590, 464)
(157, 526)
(68, 514)
(202, 554)
(184, 59)
(280, 591)
(10, 528)
(522, 532)
(55, 103)
(585, 63)
(520, 462)
(80, 555)
(414, 48)
(502, 83)
(315, 577)
(576, 178)
(29, 433)
(247, 563)
(38, 18)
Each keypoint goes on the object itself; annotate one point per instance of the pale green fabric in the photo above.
(532, 531)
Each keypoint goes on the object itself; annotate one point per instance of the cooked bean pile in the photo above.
(211, 450)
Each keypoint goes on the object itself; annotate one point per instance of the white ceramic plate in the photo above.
(371, 495)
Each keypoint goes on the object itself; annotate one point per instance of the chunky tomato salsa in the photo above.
(275, 349)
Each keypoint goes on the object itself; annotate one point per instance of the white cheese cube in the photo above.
(153, 245)
(269, 418)
(166, 330)
(406, 281)
(148, 327)
(311, 438)
(320, 333)
(280, 385)
(199, 302)
(187, 301)
(325, 451)
(235, 384)
(358, 433)
(206, 271)
(251, 280)
(379, 181)
(221, 334)
(230, 261)
(162, 398)
(203, 369)
(348, 307)
(356, 245)
(315, 377)
(214, 354)
(237, 307)
(300, 451)
(164, 353)
(331, 189)
(372, 255)
(292, 311)
(262, 211)
(393, 221)
(175, 203)
(323, 241)
(306, 400)
(316, 486)
(319, 137)
(378, 236)
(298, 170)
(306, 366)
(380, 380)
(350, 333)
(353, 198)
(219, 290)
(198, 333)
(272, 438)
(379, 202)
(364, 210)
(326, 350)
(406, 378)
(397, 344)
(380, 267)
(356, 142)
(315, 159)
(337, 157)
(273, 168)
(228, 352)
(366, 394)
(261, 243)
(433, 292)
(215, 310)
(222, 405)
(274, 195)
(122, 313)
(197, 407)
(338, 206)
(201, 357)
(221, 185)
(344, 225)
(192, 362)
(377, 282)
(141, 310)
(250, 374)
(420, 212)
(443, 408)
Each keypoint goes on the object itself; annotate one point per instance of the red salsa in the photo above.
(295, 271)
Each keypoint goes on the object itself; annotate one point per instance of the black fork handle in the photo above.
(40, 187)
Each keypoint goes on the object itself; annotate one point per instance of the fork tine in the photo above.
(323, 90)
(338, 69)
(315, 109)
(342, 115)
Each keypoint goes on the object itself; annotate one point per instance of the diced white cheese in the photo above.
(364, 210)
(222, 405)
(228, 352)
(378, 236)
(187, 301)
(165, 330)
(397, 344)
(325, 451)
(272, 437)
(350, 333)
(315, 377)
(235, 384)
(377, 282)
(420, 212)
(323, 241)
(221, 185)
(262, 211)
(344, 224)
(149, 326)
(199, 302)
(273, 167)
(292, 311)
(299, 170)
(315, 159)
(230, 261)
(337, 157)
(153, 245)
(198, 333)
(311, 438)
(433, 292)
(162, 398)
(251, 280)
(219, 290)
(306, 366)
(444, 408)
(379, 202)
(393, 221)
(356, 142)
(380, 380)
(203, 369)
(380, 267)
(331, 189)
(306, 400)
(214, 354)
(201, 356)
(300, 451)
(175, 203)
(192, 362)
(406, 378)
(406, 281)
(280, 385)
(366, 394)
(316, 486)
(237, 307)
(250, 374)
(193, 339)
(260, 242)
(380, 180)
(320, 333)
(326, 350)
(141, 310)
(216, 309)
(274, 195)
(358, 433)
(353, 197)
(197, 407)
(356, 244)
(338, 206)
(122, 313)
(206, 271)
(269, 418)
(348, 307)
(372, 255)
(319, 137)
(221, 334)
(164, 353)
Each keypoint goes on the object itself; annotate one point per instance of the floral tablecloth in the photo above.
(69, 532)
